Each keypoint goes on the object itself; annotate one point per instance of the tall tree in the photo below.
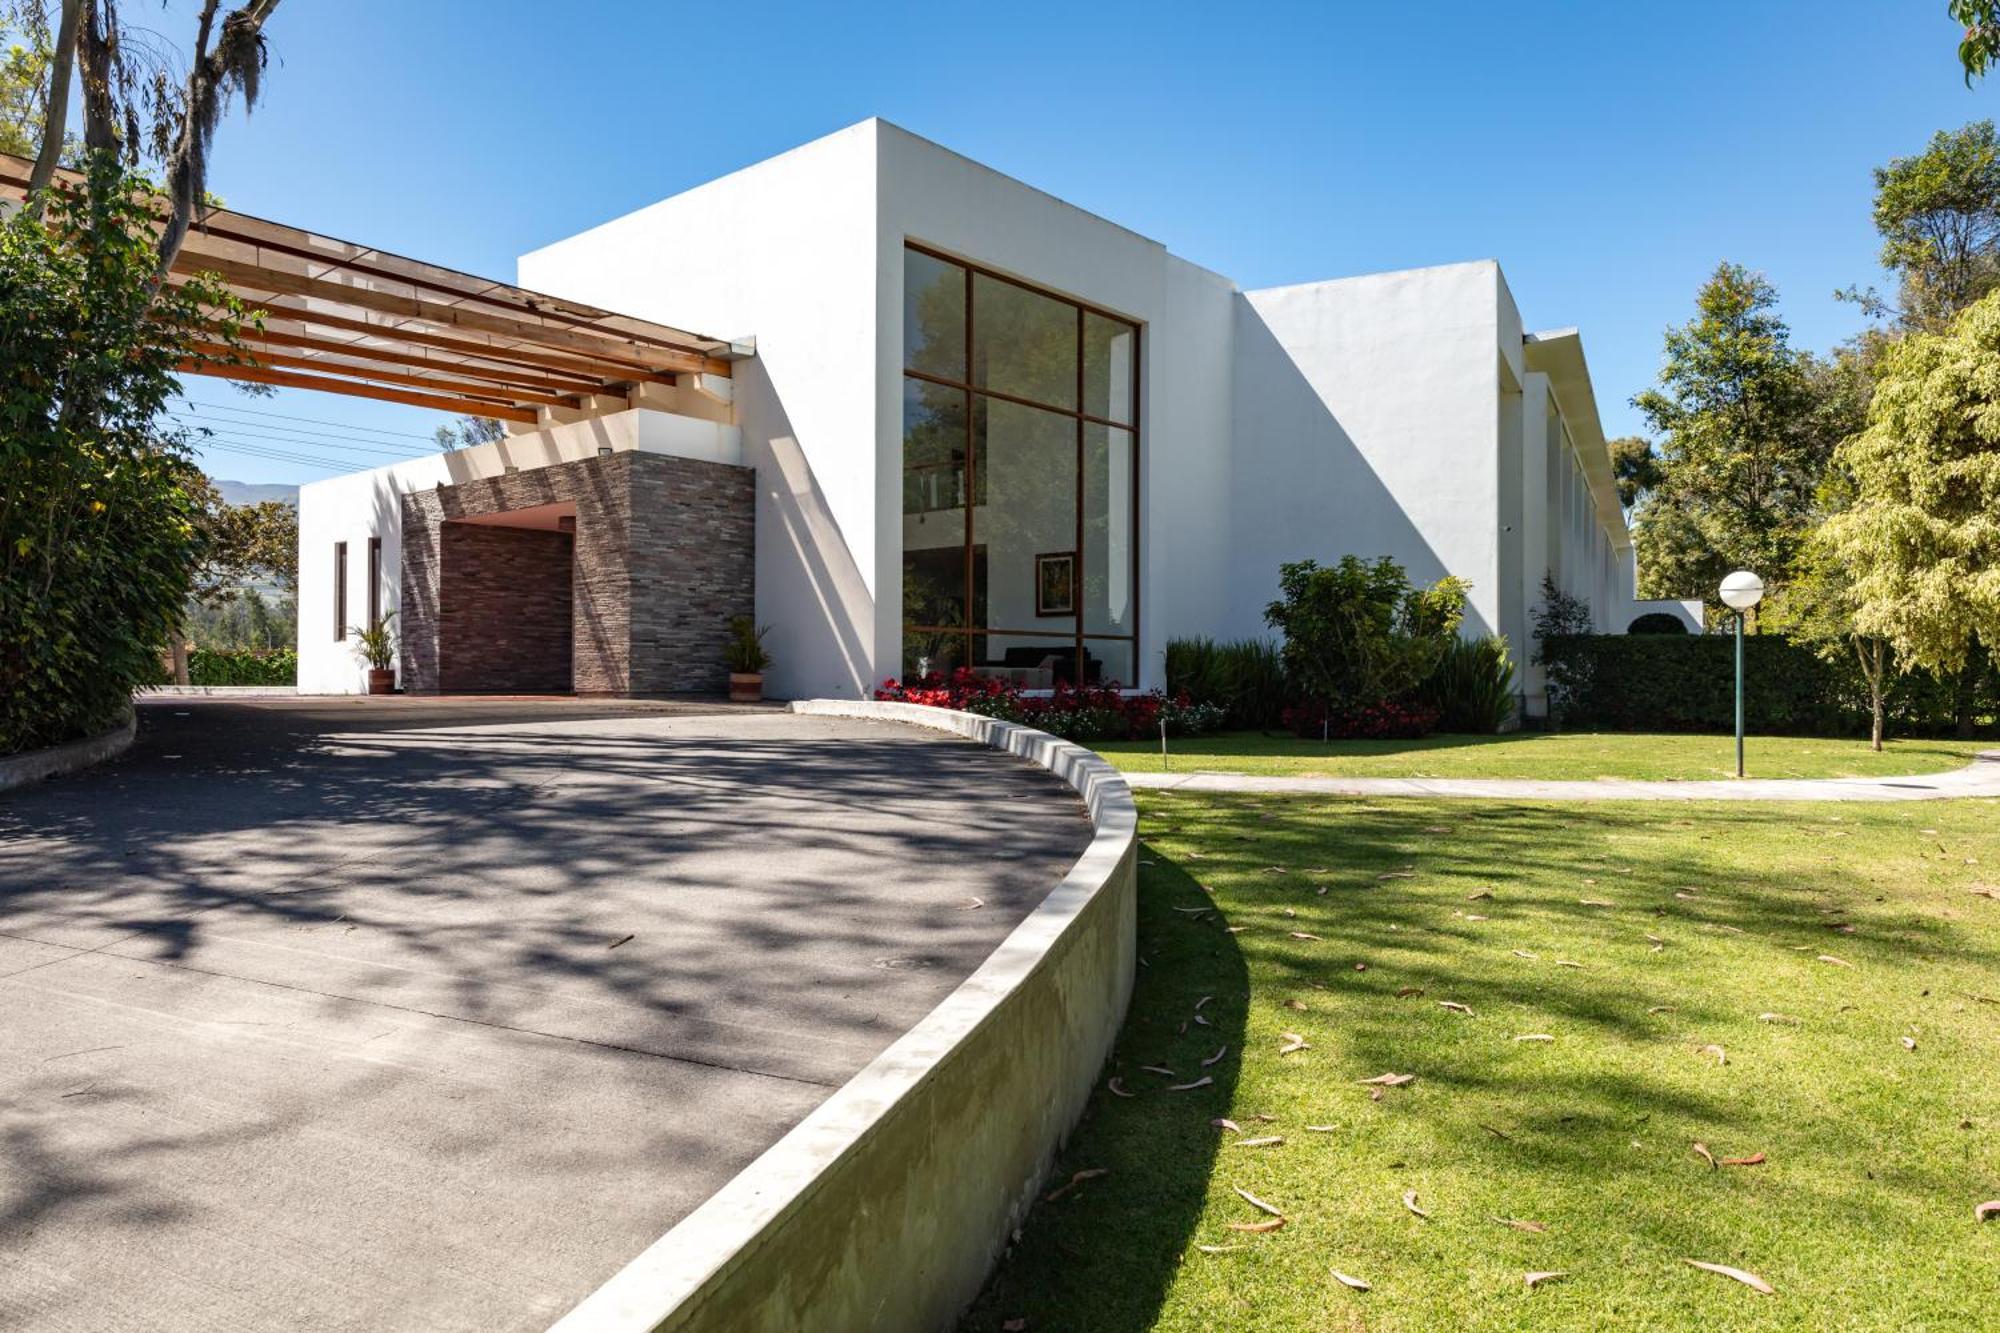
(1938, 213)
(1740, 448)
(1921, 541)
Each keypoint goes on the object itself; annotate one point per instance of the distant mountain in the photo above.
(255, 492)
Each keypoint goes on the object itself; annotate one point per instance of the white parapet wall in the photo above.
(886, 1208)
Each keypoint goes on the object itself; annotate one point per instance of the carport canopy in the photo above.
(354, 319)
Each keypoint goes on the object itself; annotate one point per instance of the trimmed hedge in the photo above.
(1663, 682)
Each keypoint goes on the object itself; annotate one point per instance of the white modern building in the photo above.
(978, 425)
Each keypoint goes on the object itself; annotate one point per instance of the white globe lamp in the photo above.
(1741, 591)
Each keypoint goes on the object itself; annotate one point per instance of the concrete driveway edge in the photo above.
(24, 770)
(888, 1205)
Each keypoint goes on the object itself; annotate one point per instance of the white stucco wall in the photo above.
(784, 251)
(1365, 422)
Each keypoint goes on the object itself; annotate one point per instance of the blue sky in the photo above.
(1607, 154)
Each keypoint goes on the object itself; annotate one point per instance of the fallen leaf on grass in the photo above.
(1407, 991)
(1271, 1225)
(1410, 1202)
(1534, 1036)
(1536, 1279)
(1321, 1129)
(1195, 911)
(1701, 1151)
(1473, 916)
(1397, 874)
(1293, 1042)
(1522, 1224)
(1721, 1056)
(1909, 1043)
(1389, 1080)
(1160, 1069)
(1523, 953)
(1201, 1082)
(1268, 1141)
(1346, 1281)
(1454, 1006)
(1594, 902)
(1296, 1005)
(1302, 935)
(1091, 1173)
(1750, 1280)
(1663, 1009)
(1478, 894)
(1788, 1019)
(1837, 962)
(1982, 1211)
(1565, 962)
(1984, 891)
(1219, 1249)
(1213, 1058)
(1255, 1202)
(1436, 828)
(1683, 894)
(1222, 1122)
(1202, 1001)
(1754, 1159)
(972, 904)
(1118, 1089)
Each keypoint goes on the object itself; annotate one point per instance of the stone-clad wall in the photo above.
(505, 609)
(664, 554)
(693, 566)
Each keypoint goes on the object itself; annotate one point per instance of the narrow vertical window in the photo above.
(339, 591)
(374, 581)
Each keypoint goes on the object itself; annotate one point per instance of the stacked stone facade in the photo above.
(662, 557)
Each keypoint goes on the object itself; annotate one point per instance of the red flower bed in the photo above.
(1375, 722)
(1099, 712)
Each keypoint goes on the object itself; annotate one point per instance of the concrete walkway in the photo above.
(1979, 778)
(430, 1015)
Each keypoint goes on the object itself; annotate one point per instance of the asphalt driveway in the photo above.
(408, 1014)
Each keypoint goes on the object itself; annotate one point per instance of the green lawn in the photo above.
(1585, 755)
(1875, 1154)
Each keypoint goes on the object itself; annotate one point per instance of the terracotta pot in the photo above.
(381, 680)
(745, 688)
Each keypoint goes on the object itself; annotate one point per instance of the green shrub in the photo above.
(1687, 682)
(1359, 634)
(1472, 687)
(242, 666)
(1245, 678)
(98, 513)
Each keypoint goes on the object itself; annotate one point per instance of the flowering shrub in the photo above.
(1099, 712)
(1372, 722)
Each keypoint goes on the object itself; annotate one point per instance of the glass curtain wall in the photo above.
(1020, 480)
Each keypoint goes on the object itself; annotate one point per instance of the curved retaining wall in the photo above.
(887, 1206)
(21, 770)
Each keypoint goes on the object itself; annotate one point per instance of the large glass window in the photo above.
(1020, 480)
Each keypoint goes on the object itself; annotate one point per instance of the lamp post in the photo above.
(1741, 591)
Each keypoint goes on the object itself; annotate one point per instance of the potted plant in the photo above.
(377, 647)
(747, 659)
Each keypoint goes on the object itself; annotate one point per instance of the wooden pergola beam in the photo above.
(290, 380)
(258, 278)
(485, 351)
(460, 388)
(363, 352)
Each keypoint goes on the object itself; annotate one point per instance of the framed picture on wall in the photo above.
(1055, 584)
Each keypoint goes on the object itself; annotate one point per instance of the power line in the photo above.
(315, 421)
(292, 432)
(244, 432)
